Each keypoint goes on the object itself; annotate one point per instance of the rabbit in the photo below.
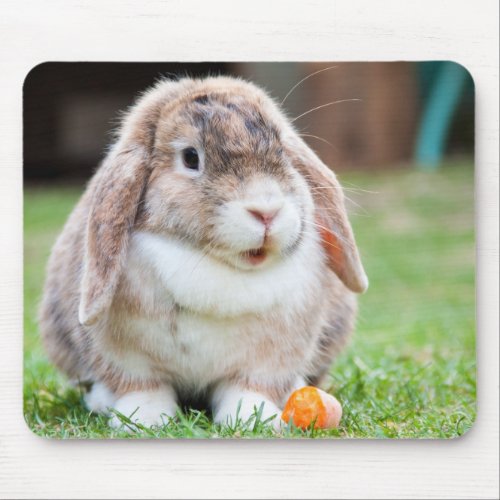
(209, 259)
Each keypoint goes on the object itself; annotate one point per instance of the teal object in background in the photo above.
(443, 84)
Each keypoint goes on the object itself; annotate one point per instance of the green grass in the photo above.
(410, 370)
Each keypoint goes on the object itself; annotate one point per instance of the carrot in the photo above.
(310, 404)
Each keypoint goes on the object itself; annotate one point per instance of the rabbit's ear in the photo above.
(330, 216)
(116, 192)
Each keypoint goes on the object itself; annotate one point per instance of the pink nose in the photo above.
(266, 217)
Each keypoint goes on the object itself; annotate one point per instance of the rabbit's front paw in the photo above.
(147, 408)
(234, 406)
(99, 399)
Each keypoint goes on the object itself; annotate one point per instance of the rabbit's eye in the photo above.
(190, 158)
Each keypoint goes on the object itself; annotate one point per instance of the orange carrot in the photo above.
(310, 404)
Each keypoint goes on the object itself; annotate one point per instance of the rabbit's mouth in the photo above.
(255, 256)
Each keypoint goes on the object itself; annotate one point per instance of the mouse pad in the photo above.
(249, 250)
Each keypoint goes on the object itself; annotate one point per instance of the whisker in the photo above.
(359, 190)
(304, 79)
(357, 214)
(338, 188)
(355, 186)
(338, 236)
(204, 253)
(324, 241)
(355, 203)
(188, 261)
(319, 138)
(324, 106)
(350, 200)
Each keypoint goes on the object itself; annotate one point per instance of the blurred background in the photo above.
(400, 136)
(385, 115)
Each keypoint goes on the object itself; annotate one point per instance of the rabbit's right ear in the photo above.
(116, 192)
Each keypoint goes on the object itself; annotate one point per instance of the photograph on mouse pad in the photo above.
(249, 250)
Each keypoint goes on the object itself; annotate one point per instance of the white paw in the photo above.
(233, 404)
(99, 399)
(147, 408)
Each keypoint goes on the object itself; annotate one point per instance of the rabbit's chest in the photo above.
(200, 320)
(195, 349)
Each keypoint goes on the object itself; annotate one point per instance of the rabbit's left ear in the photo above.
(330, 214)
(116, 192)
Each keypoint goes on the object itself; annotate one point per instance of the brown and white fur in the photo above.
(231, 283)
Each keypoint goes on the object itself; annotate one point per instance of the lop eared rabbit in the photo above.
(209, 259)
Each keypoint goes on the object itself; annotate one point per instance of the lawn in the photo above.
(410, 370)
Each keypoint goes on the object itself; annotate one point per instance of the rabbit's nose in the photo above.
(264, 215)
